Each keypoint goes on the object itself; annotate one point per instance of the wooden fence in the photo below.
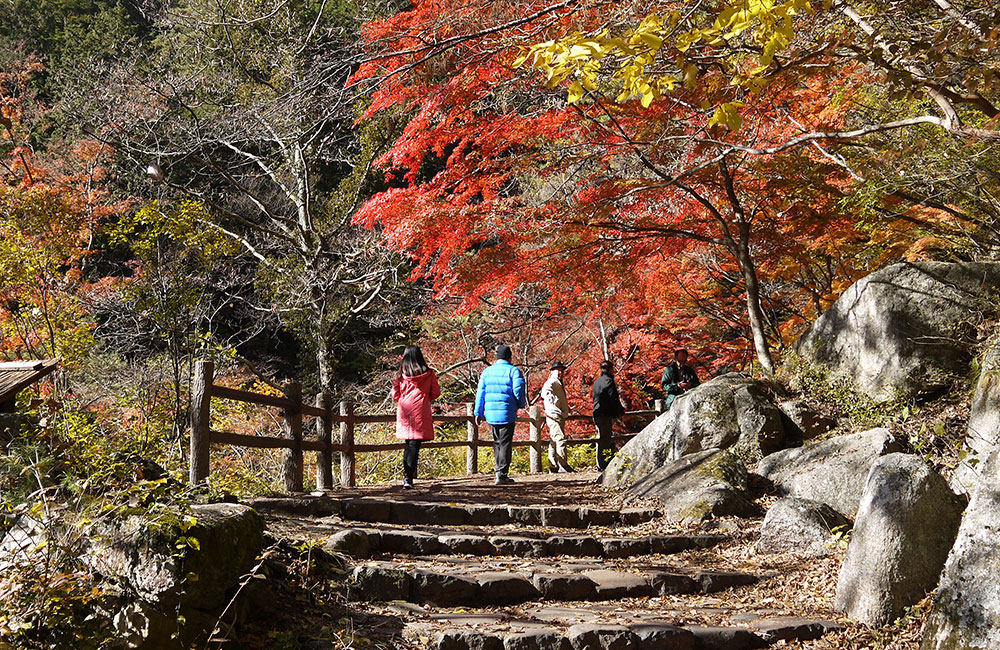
(294, 409)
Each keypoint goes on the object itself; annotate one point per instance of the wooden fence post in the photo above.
(324, 433)
(347, 474)
(292, 467)
(535, 435)
(472, 435)
(201, 411)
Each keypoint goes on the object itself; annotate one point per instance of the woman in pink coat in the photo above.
(414, 388)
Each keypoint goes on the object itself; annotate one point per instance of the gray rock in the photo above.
(560, 517)
(142, 555)
(984, 423)
(730, 410)
(522, 546)
(618, 547)
(903, 330)
(563, 587)
(713, 581)
(597, 517)
(699, 486)
(443, 589)
(636, 516)
(505, 589)
(466, 544)
(832, 471)
(349, 542)
(26, 537)
(574, 546)
(610, 585)
(467, 640)
(526, 515)
(672, 584)
(905, 527)
(485, 515)
(409, 542)
(380, 583)
(537, 639)
(725, 638)
(791, 628)
(367, 510)
(967, 606)
(430, 514)
(589, 636)
(654, 636)
(804, 421)
(794, 525)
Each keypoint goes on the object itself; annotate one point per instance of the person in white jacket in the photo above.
(556, 410)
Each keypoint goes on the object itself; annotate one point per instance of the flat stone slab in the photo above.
(713, 581)
(618, 584)
(573, 545)
(518, 546)
(565, 587)
(467, 640)
(661, 636)
(505, 589)
(538, 639)
(725, 638)
(441, 514)
(790, 628)
(466, 545)
(443, 589)
(593, 636)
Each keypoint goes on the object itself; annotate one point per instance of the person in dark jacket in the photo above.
(501, 392)
(607, 407)
(678, 378)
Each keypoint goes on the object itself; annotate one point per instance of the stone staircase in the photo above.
(490, 576)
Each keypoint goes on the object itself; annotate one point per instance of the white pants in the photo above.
(557, 444)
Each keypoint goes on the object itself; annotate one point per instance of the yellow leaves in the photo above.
(727, 115)
(575, 92)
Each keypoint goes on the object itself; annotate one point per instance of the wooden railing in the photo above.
(294, 409)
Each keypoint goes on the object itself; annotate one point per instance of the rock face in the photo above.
(967, 607)
(905, 527)
(803, 421)
(699, 486)
(903, 330)
(730, 410)
(142, 555)
(984, 423)
(795, 525)
(831, 471)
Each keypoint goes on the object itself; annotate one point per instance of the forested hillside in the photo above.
(296, 190)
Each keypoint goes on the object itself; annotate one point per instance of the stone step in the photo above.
(448, 514)
(366, 542)
(473, 631)
(473, 585)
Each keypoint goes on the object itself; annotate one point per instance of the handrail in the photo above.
(292, 441)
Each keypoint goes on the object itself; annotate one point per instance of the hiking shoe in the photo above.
(407, 484)
(503, 480)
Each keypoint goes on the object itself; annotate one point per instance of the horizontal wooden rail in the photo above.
(293, 442)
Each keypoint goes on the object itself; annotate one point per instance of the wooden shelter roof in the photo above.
(15, 376)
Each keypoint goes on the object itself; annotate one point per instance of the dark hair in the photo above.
(503, 352)
(679, 350)
(413, 363)
(607, 367)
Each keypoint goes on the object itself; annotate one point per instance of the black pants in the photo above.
(411, 449)
(605, 443)
(503, 436)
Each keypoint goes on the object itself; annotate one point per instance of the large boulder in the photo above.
(699, 486)
(905, 527)
(803, 421)
(832, 471)
(730, 410)
(800, 526)
(966, 611)
(984, 423)
(193, 560)
(904, 330)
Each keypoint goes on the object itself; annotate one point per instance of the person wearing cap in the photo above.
(501, 392)
(607, 407)
(556, 409)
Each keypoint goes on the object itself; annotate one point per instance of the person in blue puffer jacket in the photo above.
(502, 391)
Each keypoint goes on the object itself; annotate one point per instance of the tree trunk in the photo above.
(754, 310)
